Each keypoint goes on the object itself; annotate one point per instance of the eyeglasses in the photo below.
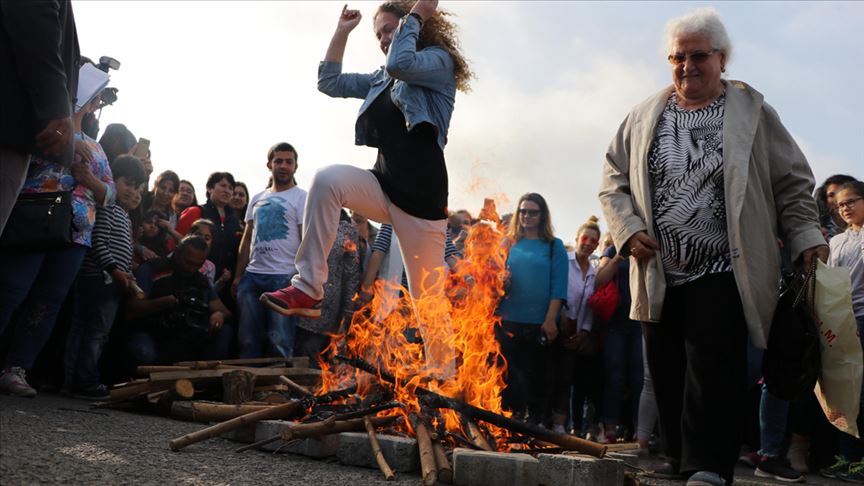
(529, 212)
(847, 204)
(697, 57)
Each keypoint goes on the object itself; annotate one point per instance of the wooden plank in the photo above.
(298, 362)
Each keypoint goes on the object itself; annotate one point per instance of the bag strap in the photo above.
(807, 292)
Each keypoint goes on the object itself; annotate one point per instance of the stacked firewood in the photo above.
(215, 391)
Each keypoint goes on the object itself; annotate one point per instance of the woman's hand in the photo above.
(641, 246)
(425, 8)
(348, 19)
(550, 328)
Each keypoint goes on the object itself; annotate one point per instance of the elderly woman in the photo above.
(698, 184)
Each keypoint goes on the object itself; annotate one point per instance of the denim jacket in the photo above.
(424, 88)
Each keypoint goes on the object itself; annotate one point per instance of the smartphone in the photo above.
(142, 149)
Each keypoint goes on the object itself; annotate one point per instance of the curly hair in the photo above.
(436, 31)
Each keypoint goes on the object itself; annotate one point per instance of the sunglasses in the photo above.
(847, 204)
(696, 57)
(529, 212)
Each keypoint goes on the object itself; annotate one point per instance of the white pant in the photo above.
(420, 240)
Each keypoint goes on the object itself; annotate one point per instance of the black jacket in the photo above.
(39, 60)
(226, 241)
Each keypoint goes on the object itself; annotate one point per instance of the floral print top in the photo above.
(45, 176)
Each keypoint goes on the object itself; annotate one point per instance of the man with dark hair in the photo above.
(180, 317)
(39, 59)
(266, 258)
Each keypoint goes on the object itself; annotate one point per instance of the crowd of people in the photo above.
(651, 332)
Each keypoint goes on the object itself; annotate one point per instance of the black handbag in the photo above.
(791, 364)
(39, 221)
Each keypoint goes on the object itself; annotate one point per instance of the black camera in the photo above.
(191, 314)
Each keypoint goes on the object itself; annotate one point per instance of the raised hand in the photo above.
(425, 8)
(348, 19)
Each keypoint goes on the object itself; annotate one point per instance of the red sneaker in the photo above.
(290, 301)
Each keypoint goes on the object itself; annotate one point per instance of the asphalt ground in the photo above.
(57, 440)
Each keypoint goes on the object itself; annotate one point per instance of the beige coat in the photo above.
(768, 186)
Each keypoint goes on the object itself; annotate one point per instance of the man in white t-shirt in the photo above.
(266, 260)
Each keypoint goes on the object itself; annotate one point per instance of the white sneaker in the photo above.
(13, 382)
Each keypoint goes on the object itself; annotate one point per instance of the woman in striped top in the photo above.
(700, 182)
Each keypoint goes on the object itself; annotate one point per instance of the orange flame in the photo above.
(460, 329)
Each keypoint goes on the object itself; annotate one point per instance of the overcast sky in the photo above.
(214, 84)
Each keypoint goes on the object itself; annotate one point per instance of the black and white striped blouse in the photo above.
(685, 166)
(112, 242)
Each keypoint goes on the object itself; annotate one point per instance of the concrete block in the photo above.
(316, 448)
(578, 470)
(245, 434)
(482, 468)
(401, 452)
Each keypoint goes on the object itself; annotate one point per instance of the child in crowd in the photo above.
(847, 250)
(105, 278)
(154, 236)
(205, 229)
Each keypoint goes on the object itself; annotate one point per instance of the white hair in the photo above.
(705, 21)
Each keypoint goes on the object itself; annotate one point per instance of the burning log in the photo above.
(238, 386)
(433, 400)
(376, 449)
(442, 464)
(285, 410)
(428, 471)
(566, 441)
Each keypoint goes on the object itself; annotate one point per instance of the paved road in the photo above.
(53, 440)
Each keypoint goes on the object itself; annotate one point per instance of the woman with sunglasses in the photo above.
(535, 291)
(700, 182)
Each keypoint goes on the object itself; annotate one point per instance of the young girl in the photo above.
(205, 229)
(847, 250)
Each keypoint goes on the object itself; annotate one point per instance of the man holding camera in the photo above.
(180, 317)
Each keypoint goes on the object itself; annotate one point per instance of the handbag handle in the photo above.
(807, 292)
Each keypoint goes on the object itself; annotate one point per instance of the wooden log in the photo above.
(622, 446)
(285, 410)
(376, 449)
(476, 436)
(298, 362)
(333, 426)
(237, 386)
(442, 464)
(146, 370)
(271, 388)
(182, 390)
(182, 410)
(294, 385)
(428, 470)
(217, 373)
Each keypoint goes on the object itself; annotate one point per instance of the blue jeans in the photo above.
(95, 309)
(622, 355)
(145, 349)
(33, 286)
(263, 332)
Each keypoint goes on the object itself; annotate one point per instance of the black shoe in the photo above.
(96, 393)
(779, 469)
(665, 470)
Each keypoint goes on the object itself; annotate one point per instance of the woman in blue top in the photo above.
(406, 111)
(537, 286)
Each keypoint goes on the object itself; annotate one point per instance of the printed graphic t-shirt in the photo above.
(277, 217)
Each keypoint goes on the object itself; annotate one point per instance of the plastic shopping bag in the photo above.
(839, 387)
